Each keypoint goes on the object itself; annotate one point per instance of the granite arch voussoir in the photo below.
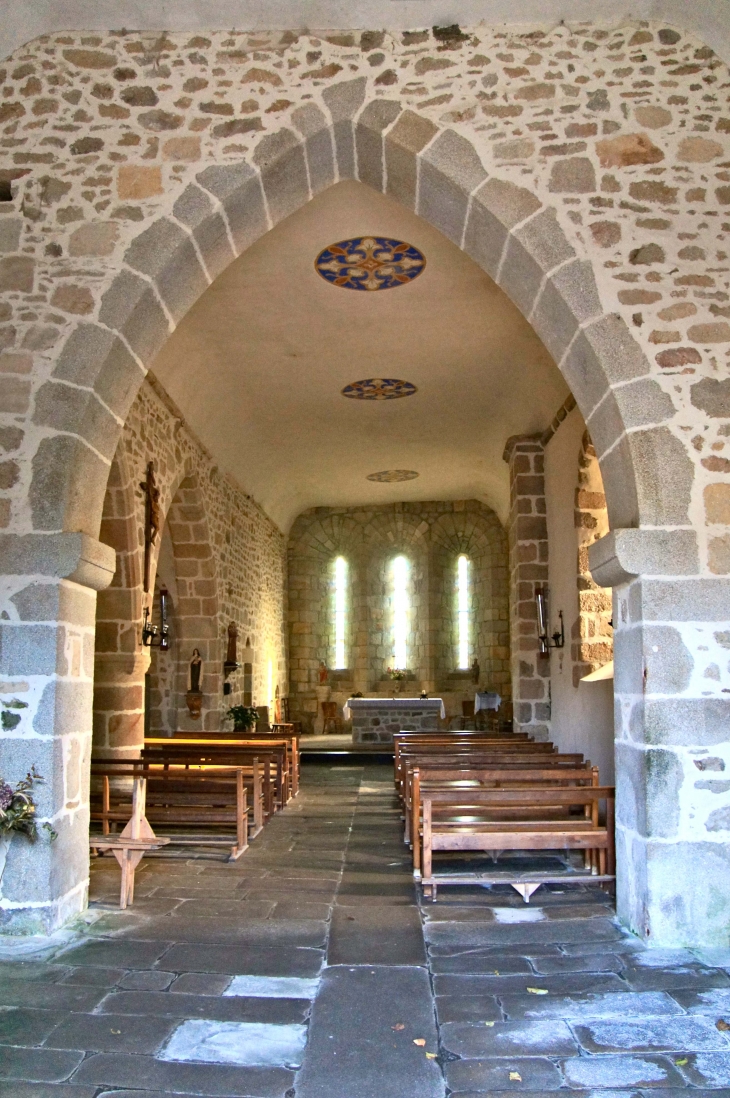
(439, 175)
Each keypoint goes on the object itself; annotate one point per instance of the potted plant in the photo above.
(243, 717)
(18, 813)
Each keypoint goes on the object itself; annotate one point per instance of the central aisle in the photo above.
(375, 996)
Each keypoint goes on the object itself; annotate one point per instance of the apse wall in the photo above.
(432, 536)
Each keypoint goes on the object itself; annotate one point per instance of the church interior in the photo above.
(365, 547)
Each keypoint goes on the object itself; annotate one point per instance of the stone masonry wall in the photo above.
(528, 562)
(591, 635)
(229, 563)
(586, 169)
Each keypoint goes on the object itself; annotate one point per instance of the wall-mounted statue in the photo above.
(194, 696)
(232, 652)
(475, 671)
(323, 673)
(196, 668)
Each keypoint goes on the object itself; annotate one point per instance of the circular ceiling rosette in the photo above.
(370, 263)
(379, 388)
(393, 476)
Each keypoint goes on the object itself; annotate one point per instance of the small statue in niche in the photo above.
(475, 671)
(324, 673)
(232, 652)
(196, 668)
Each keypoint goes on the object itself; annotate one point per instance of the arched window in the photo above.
(340, 613)
(462, 612)
(400, 570)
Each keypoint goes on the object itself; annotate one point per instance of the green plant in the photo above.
(17, 808)
(397, 674)
(243, 716)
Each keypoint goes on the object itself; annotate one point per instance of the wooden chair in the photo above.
(331, 722)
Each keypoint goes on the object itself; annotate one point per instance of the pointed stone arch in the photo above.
(437, 173)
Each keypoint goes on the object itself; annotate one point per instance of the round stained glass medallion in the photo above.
(370, 263)
(393, 476)
(379, 388)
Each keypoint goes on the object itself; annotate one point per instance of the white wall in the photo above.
(582, 716)
(24, 21)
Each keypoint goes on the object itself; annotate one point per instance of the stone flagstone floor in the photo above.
(308, 970)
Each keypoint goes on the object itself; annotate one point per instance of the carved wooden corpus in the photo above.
(151, 519)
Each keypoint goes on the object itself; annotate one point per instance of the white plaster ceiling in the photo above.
(257, 367)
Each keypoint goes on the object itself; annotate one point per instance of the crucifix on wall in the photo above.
(151, 519)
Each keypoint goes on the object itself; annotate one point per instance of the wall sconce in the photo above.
(547, 641)
(157, 636)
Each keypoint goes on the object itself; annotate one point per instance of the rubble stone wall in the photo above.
(586, 169)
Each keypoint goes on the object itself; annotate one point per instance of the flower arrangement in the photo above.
(17, 808)
(397, 674)
(243, 716)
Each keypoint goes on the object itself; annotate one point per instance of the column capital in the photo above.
(622, 555)
(72, 556)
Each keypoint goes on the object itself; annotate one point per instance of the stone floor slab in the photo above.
(653, 1035)
(376, 935)
(475, 1039)
(211, 1007)
(597, 1072)
(247, 959)
(272, 987)
(40, 1065)
(28, 1026)
(203, 1080)
(517, 1074)
(582, 1008)
(16, 1089)
(355, 1049)
(245, 1044)
(561, 984)
(112, 1033)
(708, 1069)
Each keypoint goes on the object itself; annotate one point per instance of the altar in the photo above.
(374, 720)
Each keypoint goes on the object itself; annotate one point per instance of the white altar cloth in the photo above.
(387, 703)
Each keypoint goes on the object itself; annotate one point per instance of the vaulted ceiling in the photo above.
(258, 365)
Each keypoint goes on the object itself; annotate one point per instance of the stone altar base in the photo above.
(375, 720)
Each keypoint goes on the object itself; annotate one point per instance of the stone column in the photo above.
(671, 720)
(528, 564)
(47, 665)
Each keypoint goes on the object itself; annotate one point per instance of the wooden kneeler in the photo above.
(132, 843)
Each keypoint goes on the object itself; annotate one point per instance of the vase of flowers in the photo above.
(243, 717)
(18, 813)
(397, 676)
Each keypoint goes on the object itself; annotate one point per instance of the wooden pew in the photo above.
(193, 751)
(456, 746)
(491, 821)
(286, 732)
(481, 772)
(214, 797)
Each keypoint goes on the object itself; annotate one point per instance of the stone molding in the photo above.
(623, 555)
(75, 557)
